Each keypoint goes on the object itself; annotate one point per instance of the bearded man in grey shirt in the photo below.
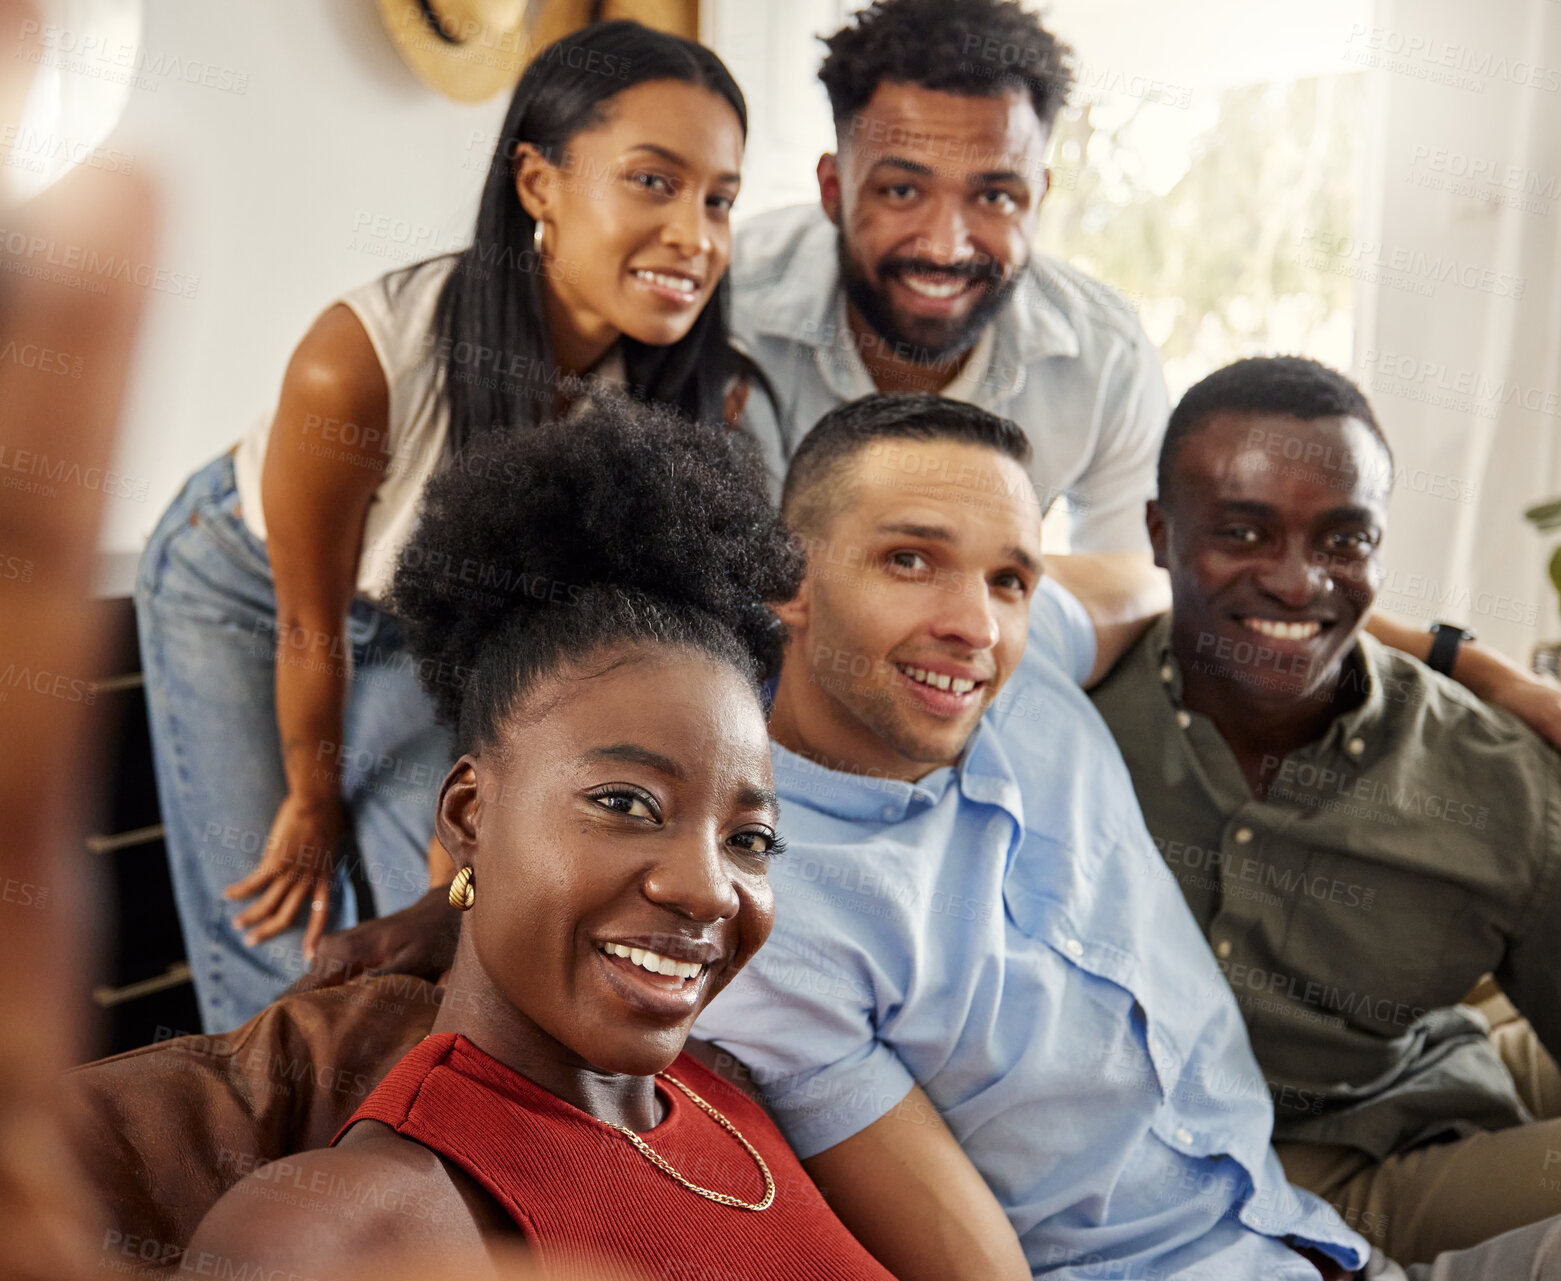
(914, 271)
(1359, 838)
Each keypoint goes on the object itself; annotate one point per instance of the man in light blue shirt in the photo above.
(976, 941)
(973, 906)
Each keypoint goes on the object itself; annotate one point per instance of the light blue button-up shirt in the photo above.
(1005, 934)
(1067, 360)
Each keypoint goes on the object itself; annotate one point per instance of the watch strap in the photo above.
(1445, 640)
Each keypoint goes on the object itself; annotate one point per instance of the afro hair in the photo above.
(625, 523)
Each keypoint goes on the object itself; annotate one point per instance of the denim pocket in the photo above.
(219, 518)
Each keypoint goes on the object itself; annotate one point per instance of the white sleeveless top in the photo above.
(397, 312)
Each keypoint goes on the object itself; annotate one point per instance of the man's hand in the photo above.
(417, 940)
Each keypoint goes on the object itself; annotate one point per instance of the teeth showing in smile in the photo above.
(934, 286)
(937, 680)
(680, 283)
(654, 961)
(1282, 631)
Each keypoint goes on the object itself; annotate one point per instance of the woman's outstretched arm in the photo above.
(330, 1212)
(316, 491)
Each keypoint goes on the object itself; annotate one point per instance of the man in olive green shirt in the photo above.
(1359, 837)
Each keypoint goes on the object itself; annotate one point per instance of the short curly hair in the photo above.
(977, 48)
(1291, 385)
(625, 523)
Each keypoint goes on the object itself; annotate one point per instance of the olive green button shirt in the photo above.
(1412, 849)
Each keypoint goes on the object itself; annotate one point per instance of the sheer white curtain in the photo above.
(1458, 321)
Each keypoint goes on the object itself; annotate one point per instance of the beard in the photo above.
(926, 340)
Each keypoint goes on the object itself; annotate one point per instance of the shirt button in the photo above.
(1166, 673)
(1074, 948)
(1355, 746)
(1184, 1137)
(888, 811)
(1183, 718)
(1222, 949)
(1243, 835)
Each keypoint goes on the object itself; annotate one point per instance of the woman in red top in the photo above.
(587, 604)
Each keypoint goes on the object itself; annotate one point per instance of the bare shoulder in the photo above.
(335, 373)
(326, 1211)
(337, 357)
(330, 438)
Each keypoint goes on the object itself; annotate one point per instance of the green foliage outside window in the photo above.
(1211, 218)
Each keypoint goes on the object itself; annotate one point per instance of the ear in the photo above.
(1159, 532)
(458, 812)
(536, 182)
(829, 186)
(794, 613)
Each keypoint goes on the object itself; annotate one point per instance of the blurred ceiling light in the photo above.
(85, 57)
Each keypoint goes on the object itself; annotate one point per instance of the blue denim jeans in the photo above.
(206, 613)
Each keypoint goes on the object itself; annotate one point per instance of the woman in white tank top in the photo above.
(295, 750)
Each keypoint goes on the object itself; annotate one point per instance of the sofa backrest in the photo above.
(163, 1131)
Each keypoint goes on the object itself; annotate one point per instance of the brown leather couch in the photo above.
(165, 1130)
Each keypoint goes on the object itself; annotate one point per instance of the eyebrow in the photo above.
(996, 175)
(760, 798)
(899, 162)
(673, 158)
(1334, 515)
(1362, 515)
(928, 171)
(1244, 507)
(943, 534)
(633, 754)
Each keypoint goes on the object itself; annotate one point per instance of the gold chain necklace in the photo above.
(661, 1163)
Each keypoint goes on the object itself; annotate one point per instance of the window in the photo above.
(1205, 210)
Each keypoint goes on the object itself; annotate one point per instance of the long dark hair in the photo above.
(495, 360)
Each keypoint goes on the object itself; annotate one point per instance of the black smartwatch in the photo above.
(1445, 640)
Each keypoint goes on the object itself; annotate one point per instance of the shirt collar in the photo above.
(966, 385)
(1355, 732)
(982, 773)
(1350, 734)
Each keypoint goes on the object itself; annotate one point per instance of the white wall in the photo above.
(772, 48)
(266, 193)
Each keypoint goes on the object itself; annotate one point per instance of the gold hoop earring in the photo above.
(536, 238)
(462, 895)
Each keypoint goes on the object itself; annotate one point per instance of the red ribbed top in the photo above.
(579, 1190)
